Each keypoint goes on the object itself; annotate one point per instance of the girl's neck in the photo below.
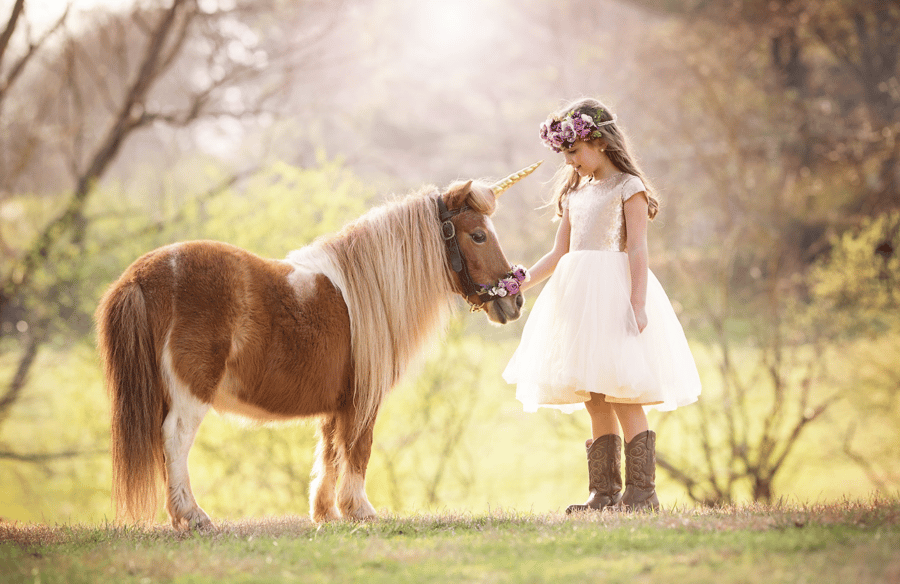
(605, 170)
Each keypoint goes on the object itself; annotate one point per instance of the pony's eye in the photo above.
(479, 237)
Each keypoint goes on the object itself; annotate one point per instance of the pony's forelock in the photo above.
(481, 198)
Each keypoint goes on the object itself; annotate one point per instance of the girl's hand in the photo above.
(640, 316)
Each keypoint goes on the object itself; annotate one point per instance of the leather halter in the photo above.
(455, 257)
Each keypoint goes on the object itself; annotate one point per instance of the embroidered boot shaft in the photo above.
(640, 474)
(604, 457)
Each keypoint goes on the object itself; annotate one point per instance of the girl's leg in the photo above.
(632, 418)
(603, 416)
(604, 455)
(640, 460)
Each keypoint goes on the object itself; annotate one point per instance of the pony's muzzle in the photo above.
(506, 309)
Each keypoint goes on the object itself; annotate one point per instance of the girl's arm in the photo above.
(638, 256)
(545, 266)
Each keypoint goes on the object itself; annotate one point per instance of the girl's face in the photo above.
(585, 157)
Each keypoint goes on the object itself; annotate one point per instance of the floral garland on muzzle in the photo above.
(510, 283)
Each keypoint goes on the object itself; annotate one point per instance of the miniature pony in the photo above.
(324, 333)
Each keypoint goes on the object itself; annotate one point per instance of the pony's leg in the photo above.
(321, 493)
(352, 499)
(179, 430)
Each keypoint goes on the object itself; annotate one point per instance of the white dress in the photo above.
(582, 337)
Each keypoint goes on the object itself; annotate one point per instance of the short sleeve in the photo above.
(631, 187)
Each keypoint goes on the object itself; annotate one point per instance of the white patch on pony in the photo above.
(173, 260)
(315, 260)
(321, 490)
(179, 430)
(352, 499)
(490, 227)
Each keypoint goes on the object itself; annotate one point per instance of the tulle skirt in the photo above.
(582, 337)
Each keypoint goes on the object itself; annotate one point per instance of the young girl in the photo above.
(602, 334)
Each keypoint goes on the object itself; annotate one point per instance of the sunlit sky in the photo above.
(42, 14)
(43, 11)
(447, 18)
(436, 36)
(449, 28)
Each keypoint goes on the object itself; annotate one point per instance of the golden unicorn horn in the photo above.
(512, 179)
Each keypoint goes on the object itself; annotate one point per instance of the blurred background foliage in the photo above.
(770, 128)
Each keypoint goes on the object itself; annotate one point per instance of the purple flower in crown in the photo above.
(559, 134)
(511, 285)
(584, 125)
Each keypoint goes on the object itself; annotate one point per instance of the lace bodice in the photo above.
(597, 213)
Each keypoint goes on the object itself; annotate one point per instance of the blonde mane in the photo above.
(397, 288)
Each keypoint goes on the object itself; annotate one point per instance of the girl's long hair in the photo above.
(568, 179)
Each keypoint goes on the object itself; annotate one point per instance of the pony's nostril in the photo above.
(520, 300)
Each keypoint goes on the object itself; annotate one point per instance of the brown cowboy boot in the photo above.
(640, 474)
(604, 474)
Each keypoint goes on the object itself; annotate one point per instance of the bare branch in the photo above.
(17, 69)
(686, 480)
(180, 37)
(791, 440)
(127, 120)
(865, 463)
(38, 458)
(90, 68)
(706, 443)
(5, 37)
(18, 382)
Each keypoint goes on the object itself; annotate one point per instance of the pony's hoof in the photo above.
(362, 512)
(329, 514)
(201, 524)
(198, 521)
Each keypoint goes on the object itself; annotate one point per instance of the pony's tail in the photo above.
(137, 398)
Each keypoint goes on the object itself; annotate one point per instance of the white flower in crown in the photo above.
(567, 131)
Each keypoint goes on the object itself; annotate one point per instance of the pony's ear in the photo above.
(457, 194)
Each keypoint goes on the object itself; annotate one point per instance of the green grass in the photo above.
(840, 542)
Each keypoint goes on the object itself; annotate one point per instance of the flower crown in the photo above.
(560, 134)
(508, 284)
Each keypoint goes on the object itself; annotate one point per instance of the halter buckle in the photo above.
(448, 230)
